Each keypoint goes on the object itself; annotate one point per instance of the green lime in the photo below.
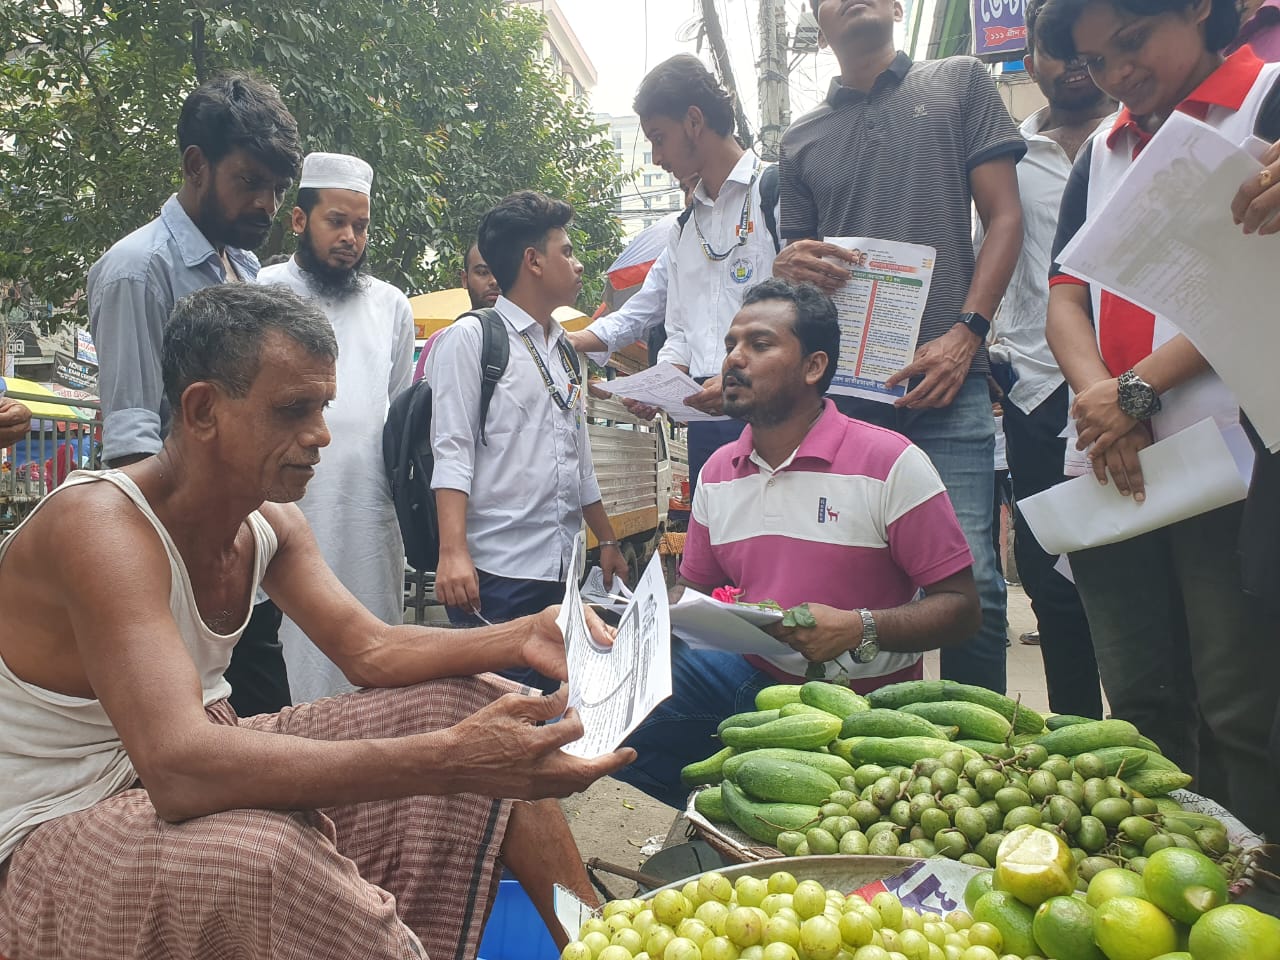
(1184, 883)
(1127, 928)
(1012, 918)
(1063, 928)
(1233, 932)
(1114, 882)
(1035, 865)
(977, 888)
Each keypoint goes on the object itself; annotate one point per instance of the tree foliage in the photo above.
(449, 100)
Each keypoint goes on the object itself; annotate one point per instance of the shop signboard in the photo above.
(999, 29)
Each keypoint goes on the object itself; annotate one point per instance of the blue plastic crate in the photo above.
(515, 930)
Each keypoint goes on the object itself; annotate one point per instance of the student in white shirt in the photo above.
(511, 506)
(722, 247)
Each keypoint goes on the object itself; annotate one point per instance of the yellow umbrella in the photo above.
(435, 311)
(39, 408)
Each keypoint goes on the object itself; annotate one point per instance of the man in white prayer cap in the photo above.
(348, 503)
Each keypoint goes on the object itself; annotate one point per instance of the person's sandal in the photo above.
(1031, 639)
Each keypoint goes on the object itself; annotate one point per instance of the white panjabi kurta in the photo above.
(348, 501)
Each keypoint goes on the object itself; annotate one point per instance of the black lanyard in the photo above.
(564, 403)
(744, 225)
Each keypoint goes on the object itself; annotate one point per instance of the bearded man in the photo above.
(348, 503)
(240, 153)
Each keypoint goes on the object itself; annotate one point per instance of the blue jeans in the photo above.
(707, 686)
(960, 440)
(506, 598)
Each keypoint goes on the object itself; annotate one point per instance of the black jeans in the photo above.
(259, 681)
(1035, 453)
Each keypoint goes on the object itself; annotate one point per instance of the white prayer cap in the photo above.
(321, 171)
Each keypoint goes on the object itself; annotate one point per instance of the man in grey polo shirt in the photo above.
(899, 151)
(240, 152)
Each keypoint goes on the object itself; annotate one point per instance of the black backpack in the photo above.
(406, 445)
(770, 188)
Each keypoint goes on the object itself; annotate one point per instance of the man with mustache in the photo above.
(240, 153)
(1035, 410)
(811, 507)
(348, 503)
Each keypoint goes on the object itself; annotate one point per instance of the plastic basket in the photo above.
(515, 930)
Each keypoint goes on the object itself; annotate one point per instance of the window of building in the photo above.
(617, 141)
(648, 156)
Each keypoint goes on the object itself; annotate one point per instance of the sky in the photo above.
(625, 38)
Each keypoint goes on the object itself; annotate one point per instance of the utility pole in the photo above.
(715, 36)
(774, 81)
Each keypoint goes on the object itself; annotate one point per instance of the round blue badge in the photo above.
(741, 270)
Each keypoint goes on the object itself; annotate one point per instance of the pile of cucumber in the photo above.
(937, 768)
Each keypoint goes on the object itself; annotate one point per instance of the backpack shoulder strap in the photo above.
(769, 191)
(684, 218)
(495, 351)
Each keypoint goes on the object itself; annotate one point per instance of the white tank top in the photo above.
(61, 754)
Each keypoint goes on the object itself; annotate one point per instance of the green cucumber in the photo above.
(1122, 761)
(795, 709)
(764, 821)
(802, 732)
(710, 803)
(880, 722)
(975, 721)
(1156, 783)
(895, 751)
(1023, 718)
(896, 695)
(778, 696)
(708, 770)
(783, 781)
(753, 718)
(828, 763)
(1058, 720)
(837, 700)
(1078, 738)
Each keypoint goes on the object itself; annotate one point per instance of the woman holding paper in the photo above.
(1180, 646)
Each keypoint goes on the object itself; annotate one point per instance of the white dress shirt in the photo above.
(1018, 327)
(644, 310)
(526, 488)
(704, 295)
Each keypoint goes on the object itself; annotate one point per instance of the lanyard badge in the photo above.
(566, 402)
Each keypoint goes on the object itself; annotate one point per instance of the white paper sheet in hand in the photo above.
(1166, 240)
(1189, 473)
(614, 689)
(663, 386)
(700, 621)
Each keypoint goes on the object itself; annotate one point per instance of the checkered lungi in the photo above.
(364, 881)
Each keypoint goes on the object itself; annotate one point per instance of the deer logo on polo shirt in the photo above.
(826, 512)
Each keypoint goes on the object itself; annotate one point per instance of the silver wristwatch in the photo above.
(869, 648)
(1136, 397)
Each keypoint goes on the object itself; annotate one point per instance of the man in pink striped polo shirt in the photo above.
(807, 506)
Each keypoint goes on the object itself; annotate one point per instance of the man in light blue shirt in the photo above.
(240, 152)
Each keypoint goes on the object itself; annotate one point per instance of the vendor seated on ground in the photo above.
(807, 507)
(138, 816)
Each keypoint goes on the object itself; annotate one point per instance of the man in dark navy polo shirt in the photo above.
(899, 151)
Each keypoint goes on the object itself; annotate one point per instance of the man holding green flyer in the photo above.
(845, 526)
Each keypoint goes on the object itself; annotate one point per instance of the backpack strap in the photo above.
(495, 351)
(769, 191)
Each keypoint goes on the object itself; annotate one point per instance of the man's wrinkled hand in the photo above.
(457, 583)
(710, 399)
(1099, 420)
(1120, 460)
(1256, 205)
(809, 261)
(833, 634)
(509, 749)
(943, 365)
(542, 648)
